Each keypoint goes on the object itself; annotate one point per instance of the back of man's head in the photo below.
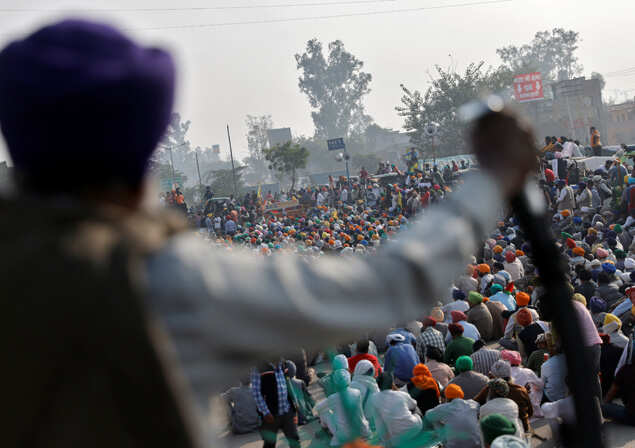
(362, 346)
(82, 107)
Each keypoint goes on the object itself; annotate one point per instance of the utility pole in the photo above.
(198, 169)
(231, 155)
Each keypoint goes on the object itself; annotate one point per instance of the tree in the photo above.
(287, 159)
(440, 104)
(257, 142)
(335, 89)
(221, 181)
(550, 52)
(596, 75)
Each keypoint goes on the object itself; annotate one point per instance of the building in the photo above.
(574, 106)
(621, 124)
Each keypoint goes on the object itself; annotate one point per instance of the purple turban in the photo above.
(82, 105)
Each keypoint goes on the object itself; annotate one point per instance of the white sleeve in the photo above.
(224, 310)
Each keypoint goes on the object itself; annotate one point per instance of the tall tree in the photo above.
(440, 104)
(335, 87)
(287, 159)
(257, 142)
(550, 52)
(221, 181)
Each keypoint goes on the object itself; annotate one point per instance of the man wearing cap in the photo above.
(400, 358)
(79, 210)
(479, 316)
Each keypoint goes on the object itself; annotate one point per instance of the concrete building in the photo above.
(621, 123)
(572, 108)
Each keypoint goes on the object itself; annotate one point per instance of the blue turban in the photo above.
(81, 105)
(457, 294)
(597, 305)
(577, 220)
(611, 235)
(609, 267)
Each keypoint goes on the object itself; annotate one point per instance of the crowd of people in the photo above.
(486, 361)
(128, 350)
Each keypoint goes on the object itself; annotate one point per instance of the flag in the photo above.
(259, 193)
(399, 201)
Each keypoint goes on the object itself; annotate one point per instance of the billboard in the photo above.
(278, 136)
(528, 87)
(335, 143)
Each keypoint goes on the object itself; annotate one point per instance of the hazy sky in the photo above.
(229, 71)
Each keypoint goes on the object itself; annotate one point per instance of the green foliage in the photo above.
(222, 183)
(287, 159)
(441, 102)
(550, 52)
(596, 75)
(257, 141)
(335, 88)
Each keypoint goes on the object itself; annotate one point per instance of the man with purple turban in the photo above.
(94, 284)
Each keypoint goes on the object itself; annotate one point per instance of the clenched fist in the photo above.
(505, 149)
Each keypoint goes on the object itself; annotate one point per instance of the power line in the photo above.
(334, 16)
(622, 72)
(201, 8)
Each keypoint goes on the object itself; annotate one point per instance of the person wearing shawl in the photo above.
(494, 426)
(499, 403)
(364, 381)
(423, 388)
(470, 382)
(496, 310)
(479, 316)
(517, 393)
(393, 413)
(299, 394)
(339, 362)
(609, 360)
(346, 419)
(456, 420)
(524, 377)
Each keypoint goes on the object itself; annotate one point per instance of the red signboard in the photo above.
(528, 87)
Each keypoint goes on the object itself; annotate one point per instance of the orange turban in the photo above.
(578, 251)
(522, 299)
(483, 268)
(453, 391)
(497, 249)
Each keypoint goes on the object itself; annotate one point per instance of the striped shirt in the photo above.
(484, 358)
